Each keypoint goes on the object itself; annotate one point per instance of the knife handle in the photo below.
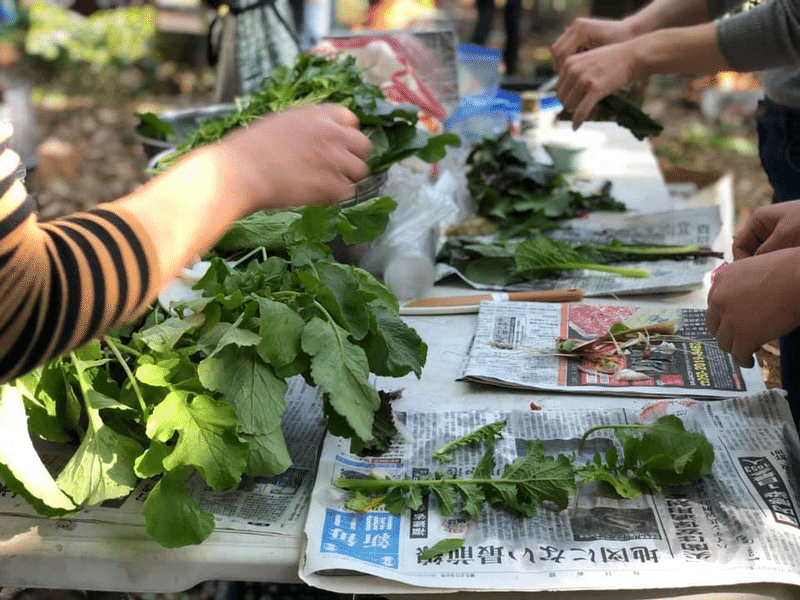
(568, 295)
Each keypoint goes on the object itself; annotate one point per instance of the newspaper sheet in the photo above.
(694, 226)
(740, 524)
(259, 505)
(515, 346)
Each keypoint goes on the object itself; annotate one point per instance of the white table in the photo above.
(87, 554)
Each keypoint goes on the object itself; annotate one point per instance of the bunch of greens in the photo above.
(521, 195)
(653, 456)
(312, 79)
(506, 262)
(626, 114)
(200, 389)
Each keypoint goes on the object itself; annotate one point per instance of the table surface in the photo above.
(38, 552)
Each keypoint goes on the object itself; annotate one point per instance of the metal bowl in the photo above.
(183, 121)
(368, 188)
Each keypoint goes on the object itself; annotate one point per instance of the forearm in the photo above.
(662, 14)
(188, 208)
(679, 50)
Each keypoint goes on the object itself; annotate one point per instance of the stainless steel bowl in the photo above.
(183, 121)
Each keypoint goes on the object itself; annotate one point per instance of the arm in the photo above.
(587, 33)
(588, 76)
(66, 281)
(765, 37)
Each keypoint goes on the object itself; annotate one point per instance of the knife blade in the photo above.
(471, 303)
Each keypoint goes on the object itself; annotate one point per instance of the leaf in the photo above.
(102, 467)
(542, 256)
(43, 398)
(393, 348)
(267, 453)
(173, 517)
(383, 431)
(365, 221)
(21, 469)
(153, 374)
(249, 384)
(280, 328)
(341, 370)
(257, 230)
(488, 431)
(628, 115)
(441, 547)
(526, 483)
(206, 437)
(655, 455)
(150, 125)
(164, 336)
(151, 462)
(538, 477)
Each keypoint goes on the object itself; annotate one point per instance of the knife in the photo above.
(444, 305)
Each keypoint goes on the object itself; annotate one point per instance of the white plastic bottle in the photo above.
(409, 274)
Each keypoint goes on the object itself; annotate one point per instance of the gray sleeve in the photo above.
(717, 8)
(765, 37)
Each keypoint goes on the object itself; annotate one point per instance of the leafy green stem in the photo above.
(253, 252)
(381, 485)
(85, 387)
(624, 271)
(615, 427)
(130, 376)
(491, 430)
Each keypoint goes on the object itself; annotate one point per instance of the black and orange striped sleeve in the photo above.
(65, 281)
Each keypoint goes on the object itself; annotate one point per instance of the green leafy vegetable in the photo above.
(199, 391)
(498, 262)
(542, 256)
(616, 108)
(313, 79)
(150, 125)
(521, 195)
(666, 454)
(523, 486)
(491, 430)
(441, 547)
(663, 454)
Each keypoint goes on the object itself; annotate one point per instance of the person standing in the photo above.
(71, 279)
(512, 14)
(596, 57)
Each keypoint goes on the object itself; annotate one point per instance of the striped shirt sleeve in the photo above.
(65, 281)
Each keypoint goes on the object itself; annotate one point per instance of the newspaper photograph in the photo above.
(737, 524)
(573, 347)
(692, 226)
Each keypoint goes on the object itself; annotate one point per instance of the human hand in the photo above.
(753, 301)
(587, 77)
(584, 34)
(312, 154)
(769, 228)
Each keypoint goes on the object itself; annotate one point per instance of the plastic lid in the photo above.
(550, 102)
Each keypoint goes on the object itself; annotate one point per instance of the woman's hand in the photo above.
(587, 77)
(753, 301)
(769, 228)
(585, 34)
(312, 154)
